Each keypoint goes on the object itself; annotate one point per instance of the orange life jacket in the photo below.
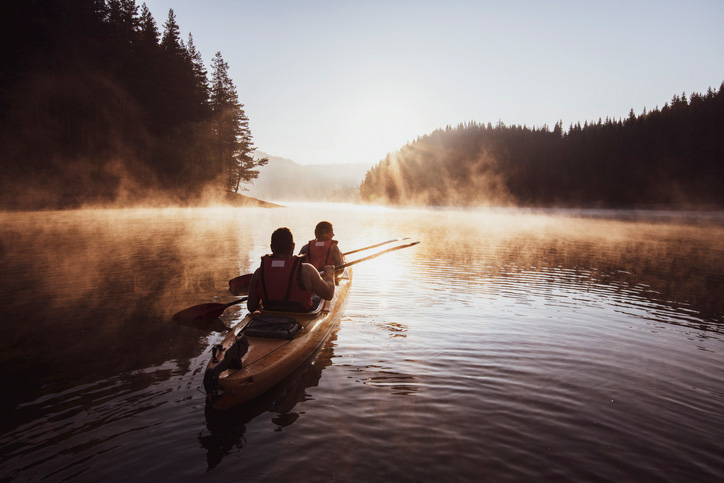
(319, 252)
(280, 285)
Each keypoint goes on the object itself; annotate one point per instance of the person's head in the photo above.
(323, 230)
(282, 241)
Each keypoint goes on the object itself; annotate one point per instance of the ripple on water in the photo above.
(506, 346)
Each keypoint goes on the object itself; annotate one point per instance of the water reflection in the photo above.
(88, 295)
(205, 325)
(382, 377)
(227, 429)
(675, 265)
(58, 435)
(530, 324)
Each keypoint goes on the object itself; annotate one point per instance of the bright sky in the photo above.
(349, 81)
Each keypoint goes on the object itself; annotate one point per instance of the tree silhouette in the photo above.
(97, 106)
(672, 157)
(232, 136)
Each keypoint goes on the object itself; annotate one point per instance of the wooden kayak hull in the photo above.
(268, 361)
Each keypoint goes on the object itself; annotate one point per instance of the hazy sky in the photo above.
(350, 81)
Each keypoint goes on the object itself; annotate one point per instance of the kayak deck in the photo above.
(267, 360)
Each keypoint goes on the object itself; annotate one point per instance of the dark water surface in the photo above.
(507, 346)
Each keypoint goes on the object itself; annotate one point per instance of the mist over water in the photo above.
(507, 345)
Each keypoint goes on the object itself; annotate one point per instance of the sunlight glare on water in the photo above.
(507, 345)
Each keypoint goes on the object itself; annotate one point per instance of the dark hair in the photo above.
(282, 241)
(322, 228)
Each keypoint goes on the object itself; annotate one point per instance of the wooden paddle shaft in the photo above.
(374, 246)
(242, 281)
(370, 257)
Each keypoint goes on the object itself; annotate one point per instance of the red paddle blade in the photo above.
(240, 284)
(202, 311)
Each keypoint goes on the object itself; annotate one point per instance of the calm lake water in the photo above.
(507, 346)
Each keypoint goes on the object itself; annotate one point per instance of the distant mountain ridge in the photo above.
(284, 180)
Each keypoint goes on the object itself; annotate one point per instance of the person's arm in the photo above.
(254, 300)
(304, 249)
(322, 285)
(336, 255)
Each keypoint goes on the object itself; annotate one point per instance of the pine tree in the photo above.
(171, 40)
(200, 80)
(177, 96)
(149, 35)
(232, 136)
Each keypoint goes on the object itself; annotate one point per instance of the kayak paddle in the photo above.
(370, 257)
(205, 311)
(375, 245)
(240, 284)
(214, 310)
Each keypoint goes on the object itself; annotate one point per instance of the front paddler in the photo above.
(322, 250)
(284, 282)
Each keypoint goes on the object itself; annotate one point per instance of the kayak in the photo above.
(265, 347)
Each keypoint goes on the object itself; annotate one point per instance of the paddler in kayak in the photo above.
(322, 250)
(284, 282)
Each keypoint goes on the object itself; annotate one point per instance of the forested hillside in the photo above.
(669, 157)
(100, 104)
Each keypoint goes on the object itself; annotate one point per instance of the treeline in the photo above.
(99, 104)
(670, 157)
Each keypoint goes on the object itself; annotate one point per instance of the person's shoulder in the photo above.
(309, 270)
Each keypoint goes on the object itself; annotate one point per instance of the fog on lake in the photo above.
(507, 345)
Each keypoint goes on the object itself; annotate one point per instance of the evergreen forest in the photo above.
(671, 157)
(100, 104)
